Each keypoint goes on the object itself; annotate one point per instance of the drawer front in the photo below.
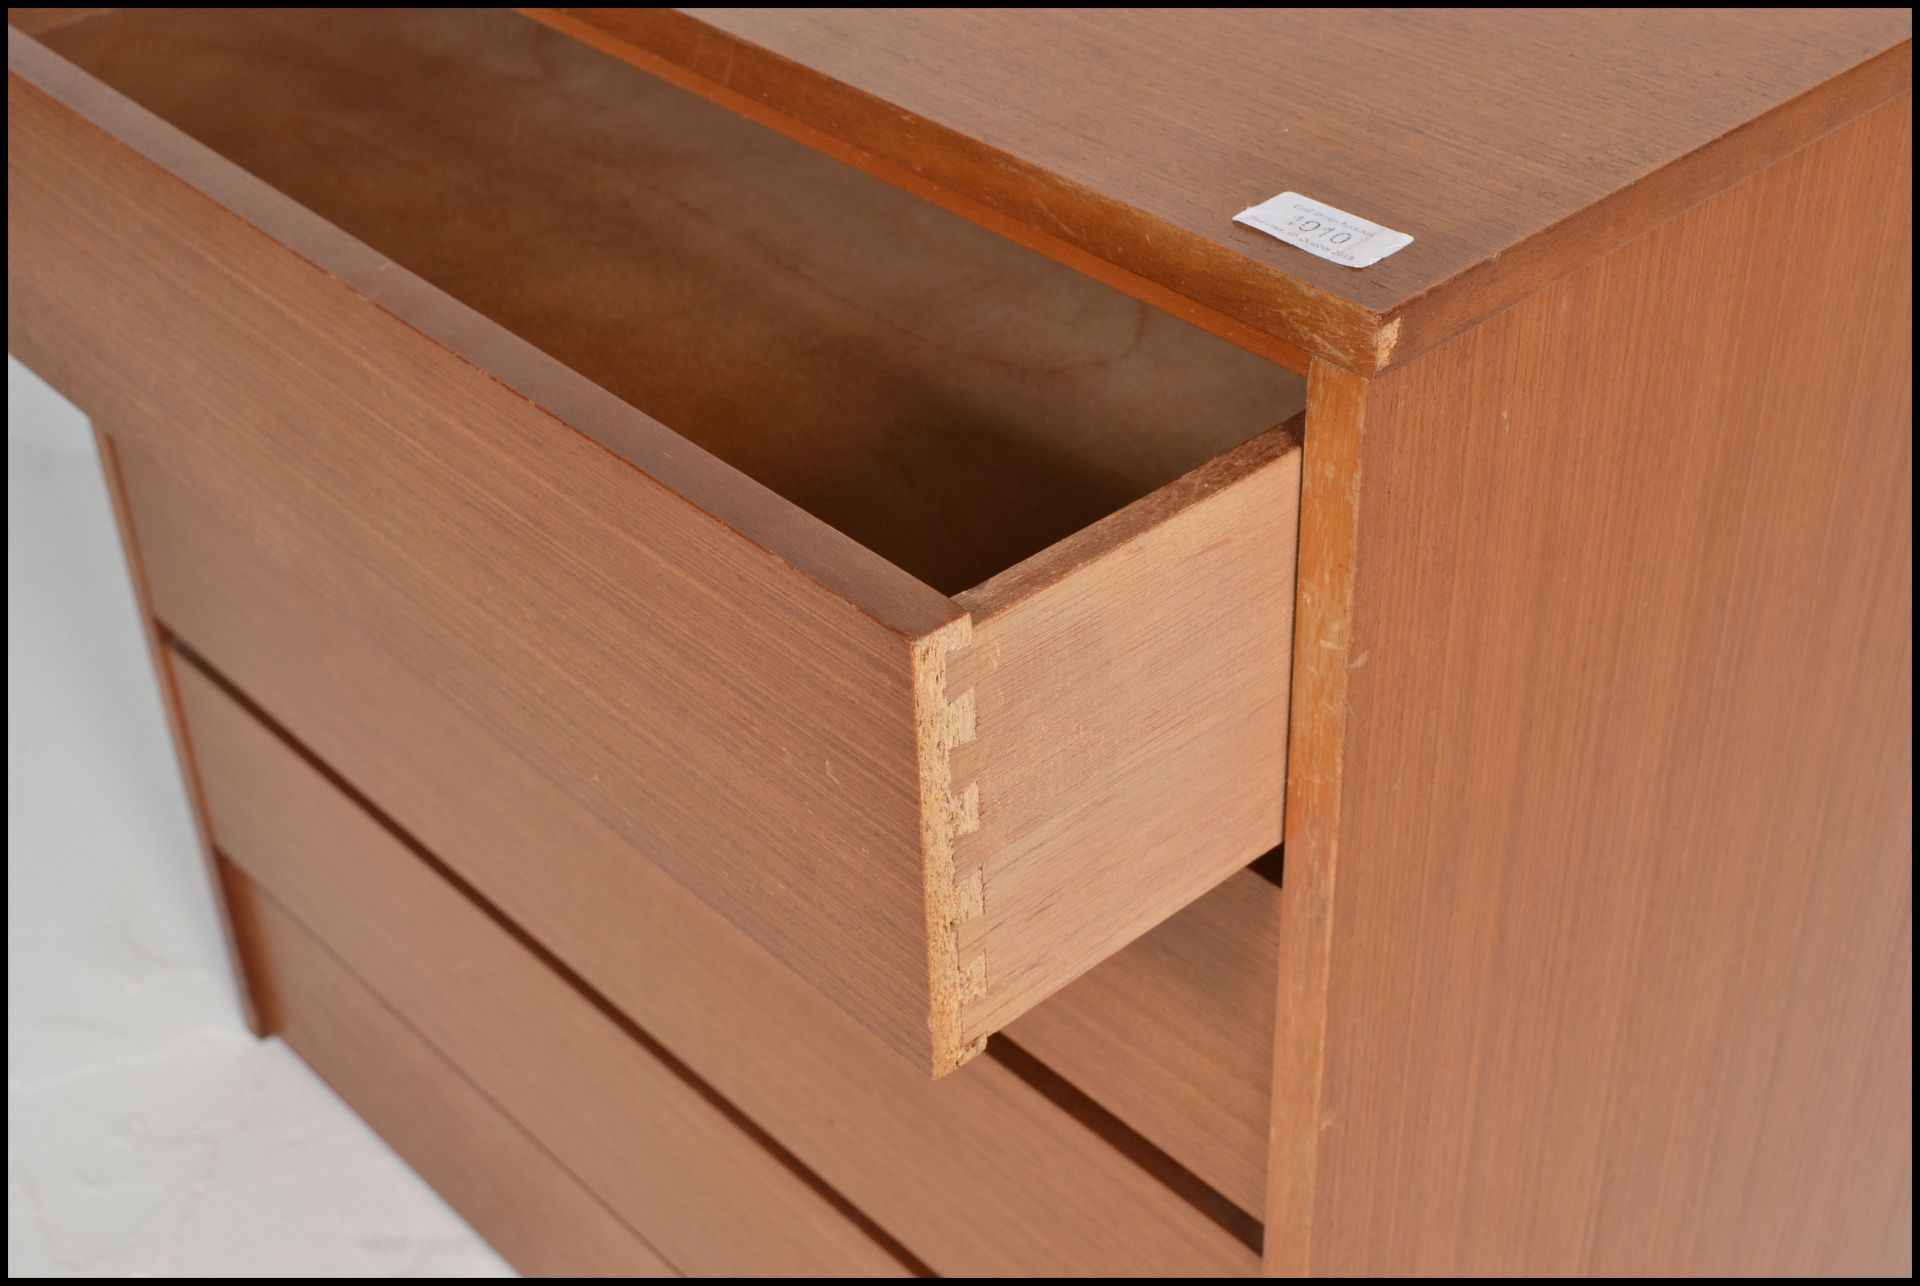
(501, 1180)
(669, 1161)
(937, 811)
(1042, 1191)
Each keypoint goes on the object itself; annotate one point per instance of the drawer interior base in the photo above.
(949, 399)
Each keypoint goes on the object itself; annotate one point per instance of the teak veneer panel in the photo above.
(501, 1180)
(1514, 145)
(1596, 949)
(668, 1161)
(975, 1173)
(753, 700)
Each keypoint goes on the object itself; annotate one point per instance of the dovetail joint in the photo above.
(954, 896)
(963, 818)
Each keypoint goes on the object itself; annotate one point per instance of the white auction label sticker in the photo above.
(1345, 239)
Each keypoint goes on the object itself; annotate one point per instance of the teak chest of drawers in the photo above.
(707, 562)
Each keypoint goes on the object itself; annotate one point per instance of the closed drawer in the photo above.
(667, 1159)
(541, 1218)
(922, 607)
(976, 1173)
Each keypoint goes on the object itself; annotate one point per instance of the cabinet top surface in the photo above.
(1136, 135)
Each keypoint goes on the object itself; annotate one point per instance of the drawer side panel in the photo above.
(742, 723)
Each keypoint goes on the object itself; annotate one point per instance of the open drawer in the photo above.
(922, 606)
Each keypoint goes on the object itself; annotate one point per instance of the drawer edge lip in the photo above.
(893, 597)
(1064, 558)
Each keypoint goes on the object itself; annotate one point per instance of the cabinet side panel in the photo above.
(1619, 956)
(253, 1009)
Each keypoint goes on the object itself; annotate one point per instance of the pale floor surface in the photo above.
(148, 1133)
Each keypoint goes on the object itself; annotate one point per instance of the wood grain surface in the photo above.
(975, 1173)
(1601, 816)
(667, 1160)
(948, 399)
(521, 565)
(774, 738)
(526, 1204)
(252, 215)
(1323, 663)
(1175, 1035)
(1595, 942)
(1514, 145)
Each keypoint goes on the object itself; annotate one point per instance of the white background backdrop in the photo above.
(147, 1132)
